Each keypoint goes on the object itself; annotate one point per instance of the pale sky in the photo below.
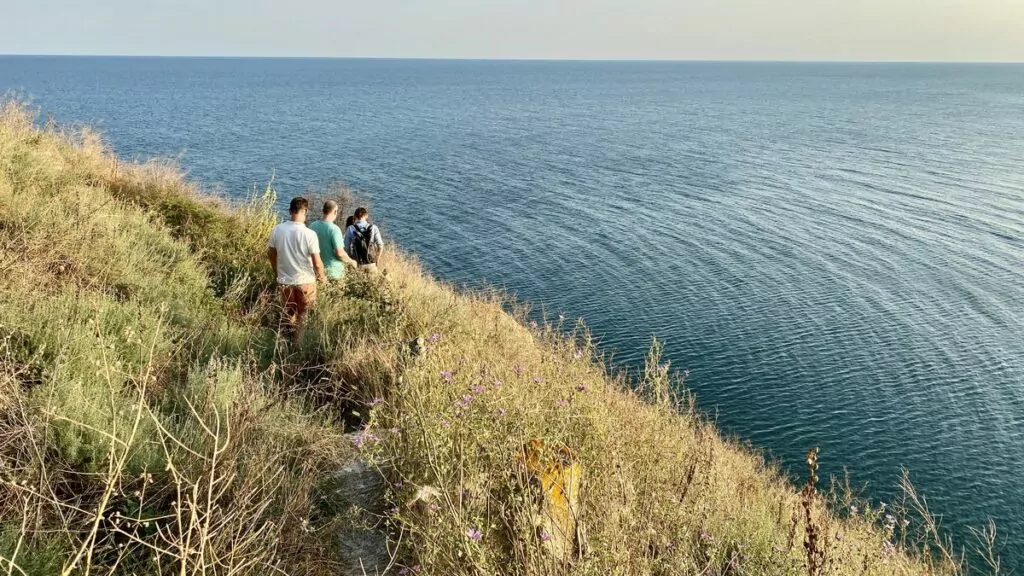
(944, 30)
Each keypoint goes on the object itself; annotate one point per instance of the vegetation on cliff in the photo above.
(152, 421)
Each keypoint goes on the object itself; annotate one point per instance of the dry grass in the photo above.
(152, 421)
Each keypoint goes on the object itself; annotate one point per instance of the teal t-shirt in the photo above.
(331, 239)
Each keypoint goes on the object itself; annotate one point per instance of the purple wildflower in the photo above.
(363, 437)
(447, 376)
(538, 380)
(518, 369)
(581, 387)
(545, 537)
(533, 324)
(496, 383)
(403, 572)
(434, 338)
(474, 534)
(478, 389)
(376, 401)
(839, 537)
(446, 424)
(501, 412)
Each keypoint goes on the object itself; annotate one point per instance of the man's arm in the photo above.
(376, 239)
(339, 248)
(318, 266)
(272, 254)
(347, 243)
(344, 257)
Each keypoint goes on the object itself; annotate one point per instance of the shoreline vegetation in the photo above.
(152, 421)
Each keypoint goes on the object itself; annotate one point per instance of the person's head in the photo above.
(298, 208)
(330, 210)
(349, 221)
(361, 213)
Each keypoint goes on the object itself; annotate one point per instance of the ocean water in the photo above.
(835, 252)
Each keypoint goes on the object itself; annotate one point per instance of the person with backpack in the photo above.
(363, 241)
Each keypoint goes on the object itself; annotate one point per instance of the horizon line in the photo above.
(509, 59)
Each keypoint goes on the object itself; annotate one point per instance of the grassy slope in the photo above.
(140, 376)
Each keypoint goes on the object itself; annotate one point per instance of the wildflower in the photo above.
(581, 387)
(533, 324)
(434, 338)
(447, 376)
(577, 354)
(496, 383)
(461, 361)
(446, 424)
(376, 401)
(478, 389)
(474, 534)
(518, 369)
(839, 536)
(403, 572)
(363, 437)
(501, 412)
(545, 537)
(563, 403)
(538, 380)
(398, 485)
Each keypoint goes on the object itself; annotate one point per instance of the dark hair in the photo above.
(330, 206)
(349, 221)
(298, 204)
(361, 213)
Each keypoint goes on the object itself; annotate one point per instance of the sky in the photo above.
(914, 30)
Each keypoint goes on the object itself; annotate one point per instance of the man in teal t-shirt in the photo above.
(332, 242)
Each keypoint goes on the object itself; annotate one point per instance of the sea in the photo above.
(833, 252)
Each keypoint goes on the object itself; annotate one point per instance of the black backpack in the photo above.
(363, 249)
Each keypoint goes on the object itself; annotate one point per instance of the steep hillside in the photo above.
(153, 422)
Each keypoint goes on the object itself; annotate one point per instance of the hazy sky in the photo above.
(605, 29)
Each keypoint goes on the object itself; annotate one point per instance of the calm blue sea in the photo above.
(835, 252)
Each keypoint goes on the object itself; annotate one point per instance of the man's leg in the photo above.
(290, 305)
(305, 296)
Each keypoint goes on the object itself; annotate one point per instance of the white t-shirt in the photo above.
(295, 246)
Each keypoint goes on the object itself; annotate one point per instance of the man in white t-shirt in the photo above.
(294, 253)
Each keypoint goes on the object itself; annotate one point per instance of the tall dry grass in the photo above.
(153, 421)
